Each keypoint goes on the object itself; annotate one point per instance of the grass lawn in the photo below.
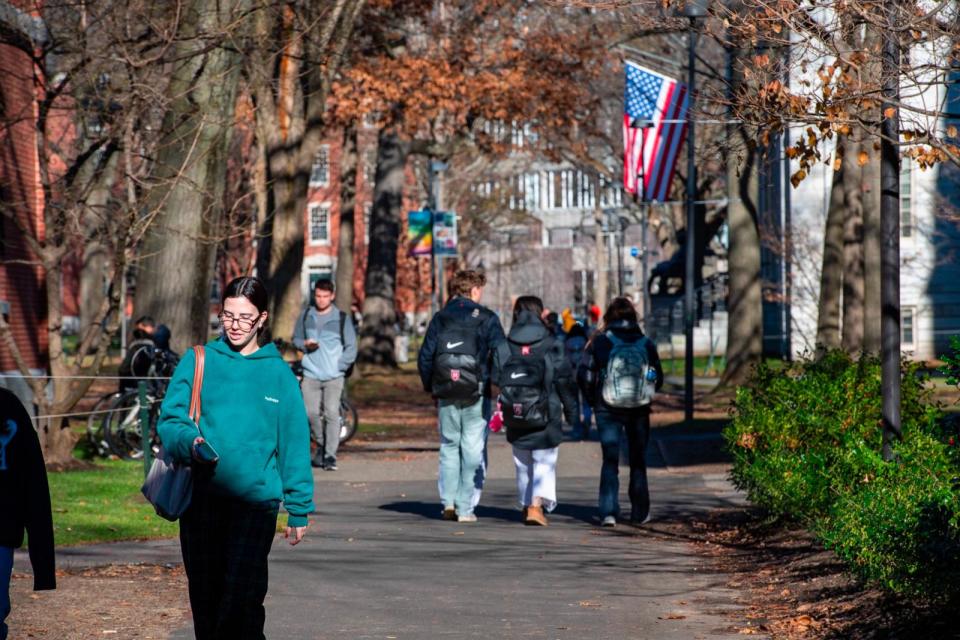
(103, 504)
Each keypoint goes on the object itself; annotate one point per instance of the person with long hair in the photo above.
(620, 332)
(252, 417)
(529, 369)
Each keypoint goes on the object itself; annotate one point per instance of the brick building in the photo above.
(22, 286)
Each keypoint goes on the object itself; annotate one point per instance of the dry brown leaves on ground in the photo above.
(798, 590)
(118, 601)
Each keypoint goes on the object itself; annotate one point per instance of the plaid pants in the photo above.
(225, 543)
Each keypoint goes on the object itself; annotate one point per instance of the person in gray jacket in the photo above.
(329, 341)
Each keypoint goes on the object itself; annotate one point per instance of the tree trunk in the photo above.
(174, 280)
(93, 268)
(294, 119)
(744, 303)
(852, 333)
(871, 252)
(348, 204)
(379, 313)
(870, 186)
(831, 272)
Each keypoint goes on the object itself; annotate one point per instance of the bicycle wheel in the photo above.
(96, 421)
(123, 431)
(349, 420)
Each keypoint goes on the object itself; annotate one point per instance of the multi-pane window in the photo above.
(906, 198)
(367, 212)
(369, 166)
(320, 172)
(531, 190)
(907, 334)
(319, 224)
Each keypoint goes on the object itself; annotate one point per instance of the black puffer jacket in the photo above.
(24, 494)
(530, 330)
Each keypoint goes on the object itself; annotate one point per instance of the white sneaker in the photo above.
(469, 517)
(609, 521)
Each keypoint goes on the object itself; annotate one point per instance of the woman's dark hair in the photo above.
(620, 309)
(533, 304)
(253, 290)
(577, 331)
(248, 287)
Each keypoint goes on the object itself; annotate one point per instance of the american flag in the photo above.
(650, 98)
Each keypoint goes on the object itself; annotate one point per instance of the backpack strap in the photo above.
(548, 372)
(503, 354)
(343, 321)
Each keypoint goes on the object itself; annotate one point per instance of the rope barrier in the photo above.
(88, 413)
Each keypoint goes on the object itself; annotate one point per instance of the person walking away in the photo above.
(329, 341)
(253, 454)
(531, 372)
(566, 375)
(454, 367)
(573, 347)
(24, 502)
(621, 372)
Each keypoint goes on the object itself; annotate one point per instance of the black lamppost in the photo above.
(890, 231)
(693, 9)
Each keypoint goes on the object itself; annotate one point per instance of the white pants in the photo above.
(536, 476)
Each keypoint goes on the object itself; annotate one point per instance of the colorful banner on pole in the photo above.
(420, 232)
(445, 233)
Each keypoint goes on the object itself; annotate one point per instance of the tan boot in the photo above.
(535, 516)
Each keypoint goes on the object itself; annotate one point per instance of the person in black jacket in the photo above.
(24, 501)
(535, 437)
(454, 366)
(620, 321)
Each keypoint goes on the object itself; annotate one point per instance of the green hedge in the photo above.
(806, 445)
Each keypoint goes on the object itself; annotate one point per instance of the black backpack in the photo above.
(457, 370)
(526, 380)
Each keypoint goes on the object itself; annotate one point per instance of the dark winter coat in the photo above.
(460, 309)
(530, 330)
(597, 353)
(24, 494)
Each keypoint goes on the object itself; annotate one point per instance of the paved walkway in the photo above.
(378, 562)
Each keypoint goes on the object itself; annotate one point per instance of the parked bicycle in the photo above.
(114, 425)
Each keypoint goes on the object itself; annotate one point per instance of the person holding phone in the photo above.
(253, 454)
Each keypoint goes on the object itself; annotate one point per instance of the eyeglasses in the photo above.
(228, 320)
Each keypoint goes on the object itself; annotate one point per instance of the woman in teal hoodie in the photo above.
(252, 418)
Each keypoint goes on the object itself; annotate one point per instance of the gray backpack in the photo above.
(626, 382)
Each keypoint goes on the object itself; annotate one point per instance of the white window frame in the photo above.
(322, 158)
(367, 216)
(911, 313)
(318, 208)
(906, 201)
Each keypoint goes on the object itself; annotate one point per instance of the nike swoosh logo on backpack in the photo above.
(454, 345)
(514, 376)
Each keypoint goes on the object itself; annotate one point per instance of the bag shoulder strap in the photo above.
(199, 357)
(504, 352)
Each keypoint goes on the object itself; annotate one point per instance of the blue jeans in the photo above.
(6, 570)
(637, 427)
(462, 431)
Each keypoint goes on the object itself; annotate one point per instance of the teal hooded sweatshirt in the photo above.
(252, 414)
